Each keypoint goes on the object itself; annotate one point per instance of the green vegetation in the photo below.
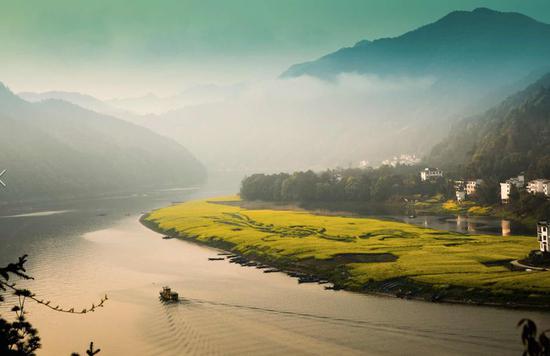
(384, 184)
(397, 188)
(438, 207)
(511, 138)
(363, 254)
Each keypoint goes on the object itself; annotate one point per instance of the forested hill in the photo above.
(473, 46)
(55, 149)
(506, 140)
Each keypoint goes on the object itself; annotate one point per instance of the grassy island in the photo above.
(364, 254)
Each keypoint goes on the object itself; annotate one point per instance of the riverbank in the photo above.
(366, 255)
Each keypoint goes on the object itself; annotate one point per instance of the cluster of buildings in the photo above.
(403, 159)
(429, 174)
(463, 188)
(539, 186)
(536, 186)
(466, 188)
(506, 187)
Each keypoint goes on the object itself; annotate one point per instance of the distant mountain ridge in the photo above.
(474, 46)
(55, 149)
(130, 108)
(83, 100)
(510, 138)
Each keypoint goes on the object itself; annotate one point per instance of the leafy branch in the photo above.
(19, 337)
(535, 345)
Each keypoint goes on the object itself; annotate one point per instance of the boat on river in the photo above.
(167, 295)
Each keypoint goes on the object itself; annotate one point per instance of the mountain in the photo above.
(383, 98)
(472, 60)
(470, 48)
(192, 96)
(83, 100)
(131, 108)
(56, 149)
(301, 124)
(510, 138)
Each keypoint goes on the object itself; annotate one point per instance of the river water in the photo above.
(81, 250)
(467, 224)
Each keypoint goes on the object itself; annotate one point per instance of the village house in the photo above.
(463, 189)
(506, 187)
(472, 185)
(542, 235)
(428, 174)
(539, 186)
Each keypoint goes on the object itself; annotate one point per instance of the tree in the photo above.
(514, 194)
(19, 337)
(534, 345)
(382, 189)
(487, 193)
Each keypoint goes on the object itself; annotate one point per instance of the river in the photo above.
(81, 250)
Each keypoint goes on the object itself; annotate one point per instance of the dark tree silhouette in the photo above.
(90, 352)
(19, 337)
(535, 345)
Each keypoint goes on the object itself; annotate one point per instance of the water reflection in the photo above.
(505, 227)
(465, 224)
(456, 223)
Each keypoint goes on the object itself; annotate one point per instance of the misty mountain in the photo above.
(306, 123)
(83, 100)
(194, 95)
(479, 48)
(131, 108)
(384, 97)
(56, 149)
(510, 138)
(400, 95)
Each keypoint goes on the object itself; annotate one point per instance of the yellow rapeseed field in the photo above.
(424, 255)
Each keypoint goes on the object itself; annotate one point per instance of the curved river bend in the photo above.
(81, 250)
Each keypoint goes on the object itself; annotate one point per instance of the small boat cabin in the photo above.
(167, 295)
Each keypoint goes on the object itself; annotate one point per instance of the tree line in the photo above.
(382, 185)
(354, 184)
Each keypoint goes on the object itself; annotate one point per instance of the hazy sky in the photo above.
(115, 48)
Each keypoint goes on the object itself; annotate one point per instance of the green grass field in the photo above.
(425, 256)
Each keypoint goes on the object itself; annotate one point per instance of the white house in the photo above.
(463, 189)
(472, 185)
(542, 235)
(538, 186)
(506, 187)
(430, 173)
